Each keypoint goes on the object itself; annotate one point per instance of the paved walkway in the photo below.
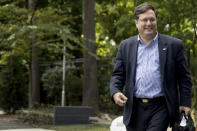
(29, 129)
(8, 123)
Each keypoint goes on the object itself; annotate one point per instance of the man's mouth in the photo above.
(148, 29)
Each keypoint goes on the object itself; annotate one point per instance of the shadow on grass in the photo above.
(88, 127)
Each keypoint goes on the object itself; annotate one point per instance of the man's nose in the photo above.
(148, 22)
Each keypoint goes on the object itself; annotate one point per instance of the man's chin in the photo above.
(151, 33)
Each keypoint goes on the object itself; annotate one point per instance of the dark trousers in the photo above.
(149, 116)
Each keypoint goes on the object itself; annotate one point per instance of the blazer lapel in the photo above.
(133, 57)
(163, 49)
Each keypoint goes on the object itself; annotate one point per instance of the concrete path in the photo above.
(8, 123)
(17, 126)
(4, 124)
(31, 129)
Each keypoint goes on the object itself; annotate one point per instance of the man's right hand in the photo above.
(120, 99)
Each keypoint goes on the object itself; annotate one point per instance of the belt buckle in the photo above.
(145, 100)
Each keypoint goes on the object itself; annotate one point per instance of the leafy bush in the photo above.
(52, 86)
(104, 75)
(13, 85)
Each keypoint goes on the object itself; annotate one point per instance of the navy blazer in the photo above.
(175, 77)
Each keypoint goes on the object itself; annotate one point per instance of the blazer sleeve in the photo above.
(118, 75)
(184, 80)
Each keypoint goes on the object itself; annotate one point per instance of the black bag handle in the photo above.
(189, 123)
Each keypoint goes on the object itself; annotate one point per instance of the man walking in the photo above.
(153, 69)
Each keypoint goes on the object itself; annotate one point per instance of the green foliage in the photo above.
(193, 68)
(11, 14)
(73, 86)
(105, 67)
(52, 83)
(19, 3)
(193, 65)
(13, 85)
(38, 116)
(114, 20)
(49, 32)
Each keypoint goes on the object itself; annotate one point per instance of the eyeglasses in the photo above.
(145, 20)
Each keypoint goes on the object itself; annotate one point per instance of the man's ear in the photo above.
(136, 22)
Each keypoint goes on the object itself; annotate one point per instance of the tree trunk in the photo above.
(90, 90)
(35, 72)
(30, 89)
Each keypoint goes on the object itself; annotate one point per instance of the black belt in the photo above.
(149, 100)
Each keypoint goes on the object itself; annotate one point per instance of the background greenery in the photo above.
(56, 22)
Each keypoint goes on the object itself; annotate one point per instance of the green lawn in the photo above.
(88, 127)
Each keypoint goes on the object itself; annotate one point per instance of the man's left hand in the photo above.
(186, 109)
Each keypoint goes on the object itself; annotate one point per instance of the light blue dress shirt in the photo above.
(148, 79)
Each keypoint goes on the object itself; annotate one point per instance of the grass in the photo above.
(88, 127)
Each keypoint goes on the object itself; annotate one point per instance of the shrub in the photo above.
(13, 85)
(52, 86)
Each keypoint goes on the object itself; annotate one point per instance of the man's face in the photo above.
(147, 24)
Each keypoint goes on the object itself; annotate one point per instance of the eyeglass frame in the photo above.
(145, 20)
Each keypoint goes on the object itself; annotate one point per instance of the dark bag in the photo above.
(189, 123)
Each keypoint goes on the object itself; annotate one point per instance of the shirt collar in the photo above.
(155, 39)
